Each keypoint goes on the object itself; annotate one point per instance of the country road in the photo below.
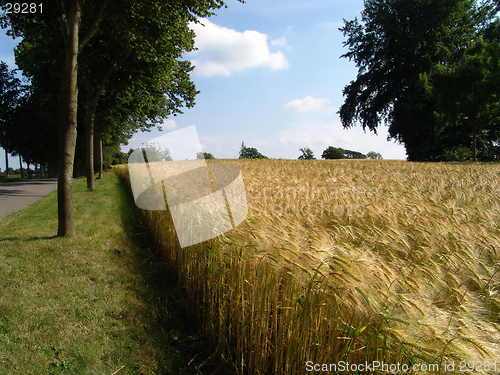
(17, 195)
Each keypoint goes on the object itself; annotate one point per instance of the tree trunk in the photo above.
(6, 164)
(70, 22)
(98, 151)
(93, 93)
(21, 165)
(52, 170)
(89, 132)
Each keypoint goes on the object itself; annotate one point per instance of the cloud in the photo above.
(281, 42)
(308, 104)
(223, 51)
(169, 125)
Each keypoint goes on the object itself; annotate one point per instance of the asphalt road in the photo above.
(17, 195)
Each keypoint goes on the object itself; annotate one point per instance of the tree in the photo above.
(307, 154)
(9, 96)
(113, 156)
(467, 94)
(374, 155)
(333, 153)
(136, 99)
(204, 155)
(250, 153)
(349, 154)
(79, 20)
(146, 66)
(156, 153)
(397, 41)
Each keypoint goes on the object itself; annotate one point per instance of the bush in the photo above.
(458, 154)
(333, 153)
(111, 155)
(204, 155)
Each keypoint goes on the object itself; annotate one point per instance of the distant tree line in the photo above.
(340, 153)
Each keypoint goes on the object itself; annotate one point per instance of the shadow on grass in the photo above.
(27, 239)
(175, 330)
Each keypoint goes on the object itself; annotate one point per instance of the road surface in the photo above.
(17, 195)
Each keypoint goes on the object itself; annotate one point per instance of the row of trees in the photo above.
(429, 70)
(307, 154)
(111, 67)
(338, 153)
(37, 172)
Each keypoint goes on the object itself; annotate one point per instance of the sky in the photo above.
(270, 75)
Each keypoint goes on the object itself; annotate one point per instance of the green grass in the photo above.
(95, 303)
(12, 178)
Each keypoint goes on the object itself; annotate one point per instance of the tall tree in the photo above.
(79, 21)
(307, 154)
(10, 89)
(397, 41)
(70, 16)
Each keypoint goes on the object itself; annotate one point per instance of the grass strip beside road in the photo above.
(92, 304)
(12, 178)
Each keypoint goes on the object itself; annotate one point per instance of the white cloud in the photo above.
(281, 42)
(169, 125)
(223, 51)
(308, 104)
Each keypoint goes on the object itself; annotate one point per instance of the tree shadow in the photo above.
(173, 327)
(27, 239)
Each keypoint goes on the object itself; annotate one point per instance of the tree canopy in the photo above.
(95, 39)
(204, 155)
(373, 155)
(333, 153)
(467, 97)
(307, 154)
(10, 91)
(396, 42)
(250, 153)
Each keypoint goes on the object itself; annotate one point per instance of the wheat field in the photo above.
(350, 260)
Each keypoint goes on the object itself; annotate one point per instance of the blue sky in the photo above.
(270, 75)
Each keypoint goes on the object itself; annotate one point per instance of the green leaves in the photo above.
(395, 43)
(466, 94)
(250, 153)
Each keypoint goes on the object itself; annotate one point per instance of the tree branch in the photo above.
(116, 66)
(85, 39)
(63, 19)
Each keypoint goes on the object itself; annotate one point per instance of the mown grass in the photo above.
(12, 178)
(93, 304)
(386, 261)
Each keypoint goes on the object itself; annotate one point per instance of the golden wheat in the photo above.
(356, 260)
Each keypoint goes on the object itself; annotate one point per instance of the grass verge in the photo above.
(95, 303)
(12, 178)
